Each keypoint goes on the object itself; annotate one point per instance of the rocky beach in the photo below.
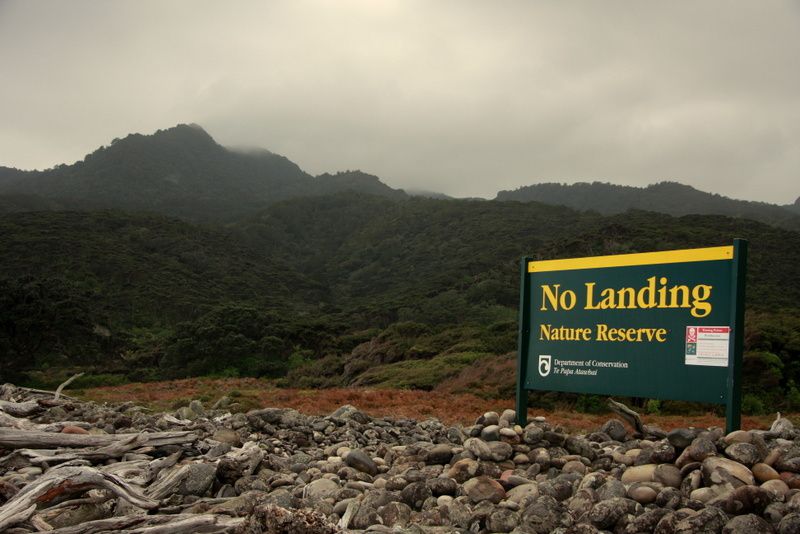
(75, 467)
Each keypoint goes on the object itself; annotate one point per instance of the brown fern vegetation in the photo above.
(489, 377)
(449, 407)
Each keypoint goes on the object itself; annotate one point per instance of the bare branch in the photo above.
(65, 384)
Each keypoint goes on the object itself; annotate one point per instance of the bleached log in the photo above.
(134, 471)
(249, 454)
(13, 438)
(63, 481)
(775, 424)
(21, 423)
(209, 505)
(7, 391)
(633, 418)
(40, 524)
(172, 480)
(43, 392)
(93, 497)
(94, 504)
(349, 513)
(64, 384)
(171, 419)
(15, 516)
(205, 523)
(156, 524)
(142, 472)
(9, 421)
(20, 409)
(93, 455)
(159, 464)
(139, 472)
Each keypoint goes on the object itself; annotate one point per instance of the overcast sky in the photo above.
(462, 97)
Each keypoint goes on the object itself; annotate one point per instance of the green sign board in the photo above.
(662, 325)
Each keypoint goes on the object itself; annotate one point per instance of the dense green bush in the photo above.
(594, 404)
(652, 407)
(48, 322)
(752, 405)
(229, 337)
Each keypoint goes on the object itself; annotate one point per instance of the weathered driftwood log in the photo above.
(627, 414)
(201, 505)
(92, 497)
(135, 471)
(62, 481)
(250, 455)
(9, 391)
(155, 524)
(39, 524)
(94, 455)
(26, 424)
(64, 384)
(141, 472)
(349, 513)
(20, 409)
(634, 419)
(197, 476)
(776, 423)
(9, 421)
(159, 464)
(13, 438)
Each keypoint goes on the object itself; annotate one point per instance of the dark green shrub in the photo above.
(752, 405)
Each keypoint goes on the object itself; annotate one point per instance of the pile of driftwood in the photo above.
(54, 472)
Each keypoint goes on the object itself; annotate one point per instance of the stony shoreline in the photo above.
(79, 467)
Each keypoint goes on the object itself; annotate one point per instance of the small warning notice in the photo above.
(707, 345)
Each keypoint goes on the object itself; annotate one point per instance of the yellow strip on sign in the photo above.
(629, 260)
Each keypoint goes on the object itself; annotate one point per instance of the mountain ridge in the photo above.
(180, 171)
(672, 198)
(183, 172)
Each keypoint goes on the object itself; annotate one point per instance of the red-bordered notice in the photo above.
(707, 345)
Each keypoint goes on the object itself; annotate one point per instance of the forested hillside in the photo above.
(148, 269)
(365, 247)
(666, 197)
(338, 289)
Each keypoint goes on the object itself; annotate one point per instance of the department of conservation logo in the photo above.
(544, 364)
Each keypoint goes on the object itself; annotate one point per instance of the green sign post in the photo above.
(662, 325)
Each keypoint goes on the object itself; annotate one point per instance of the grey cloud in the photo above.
(462, 97)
